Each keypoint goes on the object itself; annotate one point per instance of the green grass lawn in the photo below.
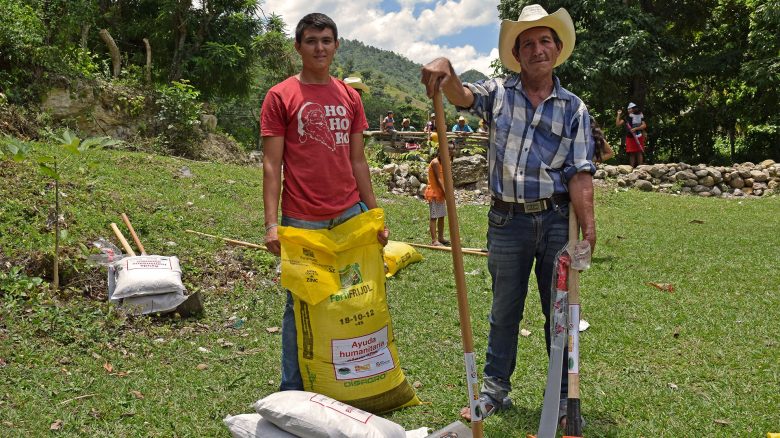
(698, 361)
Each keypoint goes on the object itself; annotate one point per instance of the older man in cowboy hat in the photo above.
(540, 158)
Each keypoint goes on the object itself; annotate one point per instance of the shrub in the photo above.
(178, 118)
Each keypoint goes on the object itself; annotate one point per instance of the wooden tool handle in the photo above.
(464, 315)
(132, 234)
(122, 240)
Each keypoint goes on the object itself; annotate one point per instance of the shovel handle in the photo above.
(457, 262)
(122, 240)
(132, 234)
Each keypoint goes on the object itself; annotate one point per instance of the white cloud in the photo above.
(401, 31)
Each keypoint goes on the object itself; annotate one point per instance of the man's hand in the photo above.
(435, 75)
(383, 236)
(272, 242)
(439, 74)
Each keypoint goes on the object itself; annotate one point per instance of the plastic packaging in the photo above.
(109, 253)
(581, 257)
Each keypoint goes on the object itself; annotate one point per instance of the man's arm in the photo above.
(362, 174)
(581, 194)
(273, 148)
(440, 74)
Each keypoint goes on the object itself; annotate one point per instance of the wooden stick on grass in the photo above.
(231, 241)
(475, 251)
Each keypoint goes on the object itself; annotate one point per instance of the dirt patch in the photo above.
(222, 149)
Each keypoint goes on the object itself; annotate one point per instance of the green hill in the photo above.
(472, 76)
(394, 82)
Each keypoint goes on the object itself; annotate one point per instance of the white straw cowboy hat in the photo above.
(356, 83)
(534, 16)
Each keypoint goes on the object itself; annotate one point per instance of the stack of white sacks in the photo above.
(311, 415)
(146, 284)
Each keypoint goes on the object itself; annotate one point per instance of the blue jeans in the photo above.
(291, 373)
(516, 243)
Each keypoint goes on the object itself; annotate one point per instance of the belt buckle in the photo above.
(533, 207)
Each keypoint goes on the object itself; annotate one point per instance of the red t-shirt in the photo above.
(316, 121)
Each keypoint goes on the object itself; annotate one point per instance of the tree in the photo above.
(701, 70)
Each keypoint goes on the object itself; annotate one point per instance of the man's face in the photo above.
(317, 48)
(536, 50)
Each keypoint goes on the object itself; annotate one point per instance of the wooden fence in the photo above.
(401, 142)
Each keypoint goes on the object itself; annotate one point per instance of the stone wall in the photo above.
(745, 179)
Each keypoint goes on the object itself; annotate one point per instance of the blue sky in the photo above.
(466, 31)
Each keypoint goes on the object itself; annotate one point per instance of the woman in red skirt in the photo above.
(635, 138)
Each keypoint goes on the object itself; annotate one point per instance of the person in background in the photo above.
(406, 127)
(388, 123)
(482, 129)
(461, 126)
(635, 138)
(313, 123)
(461, 129)
(602, 150)
(434, 194)
(357, 83)
(430, 126)
(540, 167)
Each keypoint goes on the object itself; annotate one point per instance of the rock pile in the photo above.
(469, 176)
(745, 179)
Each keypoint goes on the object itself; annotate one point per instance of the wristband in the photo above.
(271, 226)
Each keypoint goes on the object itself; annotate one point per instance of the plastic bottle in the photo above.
(581, 257)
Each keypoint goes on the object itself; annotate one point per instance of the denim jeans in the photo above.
(516, 243)
(291, 373)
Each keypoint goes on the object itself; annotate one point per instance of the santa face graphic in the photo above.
(312, 125)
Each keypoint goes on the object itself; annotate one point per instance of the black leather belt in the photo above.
(529, 207)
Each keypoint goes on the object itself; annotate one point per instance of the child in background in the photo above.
(434, 194)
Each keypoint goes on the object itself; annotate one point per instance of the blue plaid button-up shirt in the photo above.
(532, 153)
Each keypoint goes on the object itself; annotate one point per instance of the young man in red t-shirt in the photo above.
(314, 124)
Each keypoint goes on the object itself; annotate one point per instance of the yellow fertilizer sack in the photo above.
(346, 346)
(399, 255)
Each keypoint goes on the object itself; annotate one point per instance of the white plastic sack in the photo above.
(145, 304)
(253, 426)
(146, 275)
(312, 415)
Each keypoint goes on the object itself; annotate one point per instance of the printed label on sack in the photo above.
(149, 263)
(341, 408)
(364, 356)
